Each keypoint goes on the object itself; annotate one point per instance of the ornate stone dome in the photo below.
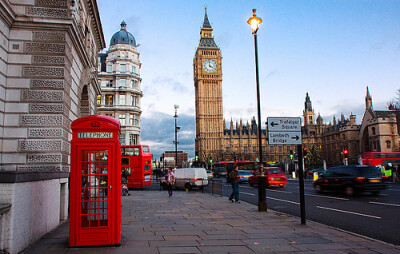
(123, 37)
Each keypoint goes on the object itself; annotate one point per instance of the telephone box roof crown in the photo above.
(123, 37)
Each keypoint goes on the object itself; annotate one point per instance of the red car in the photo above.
(274, 177)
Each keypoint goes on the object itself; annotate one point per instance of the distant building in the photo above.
(378, 132)
(48, 78)
(170, 158)
(120, 83)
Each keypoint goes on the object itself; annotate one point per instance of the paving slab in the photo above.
(195, 222)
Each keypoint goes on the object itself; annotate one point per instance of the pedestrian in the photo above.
(233, 175)
(170, 178)
(390, 172)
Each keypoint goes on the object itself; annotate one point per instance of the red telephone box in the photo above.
(95, 182)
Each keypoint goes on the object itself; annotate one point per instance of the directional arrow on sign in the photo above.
(296, 137)
(274, 124)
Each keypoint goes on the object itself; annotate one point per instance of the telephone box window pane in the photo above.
(94, 189)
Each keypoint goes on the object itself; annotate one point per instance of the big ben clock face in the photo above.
(209, 65)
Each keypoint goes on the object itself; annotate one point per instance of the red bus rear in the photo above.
(380, 158)
(136, 165)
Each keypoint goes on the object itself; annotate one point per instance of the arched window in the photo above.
(388, 144)
(373, 131)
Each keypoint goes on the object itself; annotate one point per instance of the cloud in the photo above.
(158, 131)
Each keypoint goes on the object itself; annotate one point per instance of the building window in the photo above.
(280, 157)
(122, 120)
(288, 149)
(271, 149)
(133, 139)
(133, 120)
(254, 149)
(109, 83)
(133, 69)
(245, 149)
(122, 138)
(109, 99)
(135, 101)
(388, 144)
(98, 99)
(227, 150)
(122, 82)
(109, 68)
(122, 99)
(280, 149)
(373, 131)
(122, 67)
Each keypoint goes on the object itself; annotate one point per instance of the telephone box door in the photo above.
(95, 218)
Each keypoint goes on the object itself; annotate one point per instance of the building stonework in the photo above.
(48, 60)
(120, 83)
(214, 140)
(378, 132)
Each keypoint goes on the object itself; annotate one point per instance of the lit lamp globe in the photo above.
(254, 22)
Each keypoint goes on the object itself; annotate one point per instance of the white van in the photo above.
(189, 178)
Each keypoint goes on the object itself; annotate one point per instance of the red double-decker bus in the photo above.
(136, 165)
(380, 158)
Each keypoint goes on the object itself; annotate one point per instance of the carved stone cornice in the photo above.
(6, 13)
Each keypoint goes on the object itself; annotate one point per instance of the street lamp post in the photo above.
(176, 135)
(254, 22)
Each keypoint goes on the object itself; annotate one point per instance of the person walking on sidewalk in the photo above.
(170, 178)
(233, 175)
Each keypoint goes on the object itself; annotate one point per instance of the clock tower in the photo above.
(207, 70)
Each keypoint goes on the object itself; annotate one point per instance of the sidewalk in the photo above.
(195, 222)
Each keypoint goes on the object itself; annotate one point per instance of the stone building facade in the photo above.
(213, 139)
(120, 83)
(48, 60)
(378, 132)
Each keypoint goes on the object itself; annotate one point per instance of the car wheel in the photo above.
(188, 186)
(318, 188)
(349, 191)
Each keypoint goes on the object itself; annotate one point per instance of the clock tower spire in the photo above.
(207, 75)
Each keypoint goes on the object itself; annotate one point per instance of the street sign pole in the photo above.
(301, 185)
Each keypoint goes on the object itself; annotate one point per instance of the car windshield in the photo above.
(244, 172)
(275, 171)
(369, 171)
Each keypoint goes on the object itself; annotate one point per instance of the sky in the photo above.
(330, 49)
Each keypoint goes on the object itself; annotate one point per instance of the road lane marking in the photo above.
(283, 200)
(319, 196)
(378, 203)
(246, 187)
(343, 211)
(390, 189)
(279, 191)
(251, 194)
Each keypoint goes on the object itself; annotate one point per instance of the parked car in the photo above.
(188, 178)
(243, 176)
(351, 180)
(219, 172)
(274, 177)
(210, 174)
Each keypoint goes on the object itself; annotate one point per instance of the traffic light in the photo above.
(196, 158)
(291, 154)
(346, 153)
(210, 160)
(305, 152)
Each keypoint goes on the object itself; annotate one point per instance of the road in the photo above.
(365, 214)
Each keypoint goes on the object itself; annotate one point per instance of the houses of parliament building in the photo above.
(379, 130)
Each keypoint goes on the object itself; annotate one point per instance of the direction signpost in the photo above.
(287, 131)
